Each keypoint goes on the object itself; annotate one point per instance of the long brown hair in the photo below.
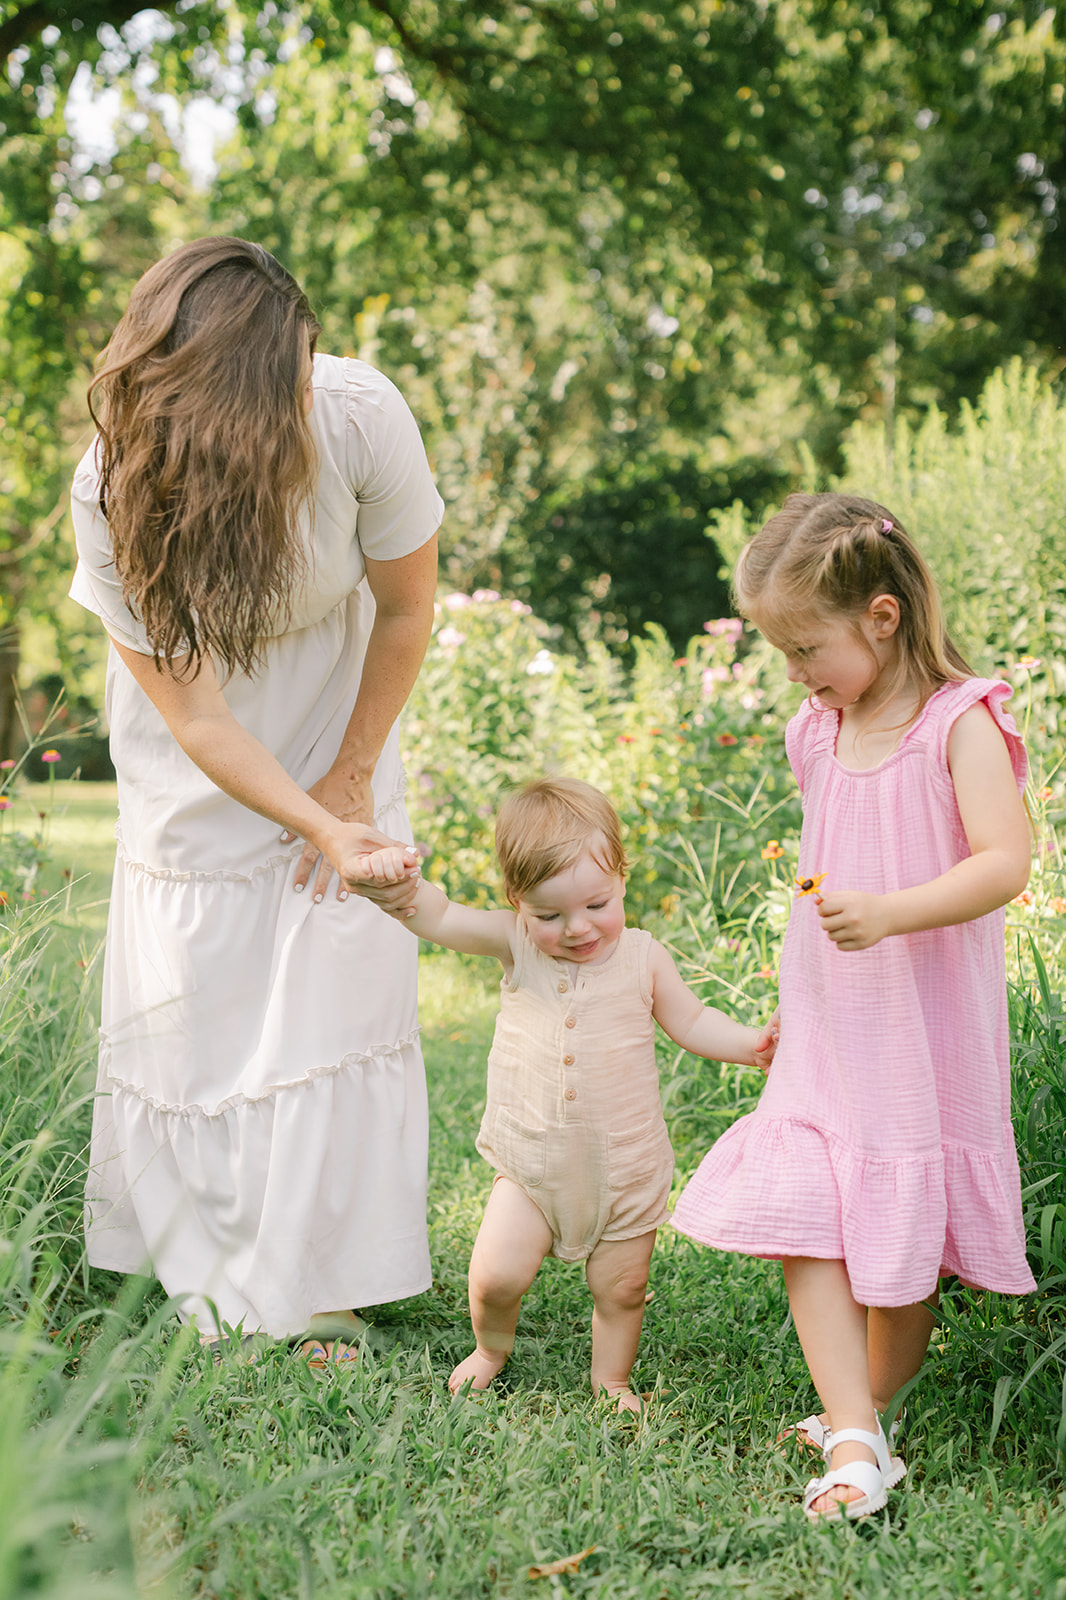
(207, 457)
(830, 555)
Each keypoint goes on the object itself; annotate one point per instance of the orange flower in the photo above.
(1058, 906)
(808, 885)
(1046, 793)
(772, 851)
(766, 972)
(727, 738)
(1023, 899)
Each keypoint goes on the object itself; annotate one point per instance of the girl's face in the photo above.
(838, 660)
(578, 915)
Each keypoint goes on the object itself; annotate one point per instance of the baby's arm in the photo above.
(996, 869)
(700, 1028)
(431, 915)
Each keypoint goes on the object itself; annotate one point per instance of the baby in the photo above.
(573, 1122)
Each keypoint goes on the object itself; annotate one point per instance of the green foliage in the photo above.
(607, 559)
(985, 499)
(679, 744)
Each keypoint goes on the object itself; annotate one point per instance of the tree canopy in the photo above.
(606, 248)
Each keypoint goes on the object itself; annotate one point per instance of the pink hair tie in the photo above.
(886, 525)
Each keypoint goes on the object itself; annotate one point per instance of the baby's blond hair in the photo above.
(543, 828)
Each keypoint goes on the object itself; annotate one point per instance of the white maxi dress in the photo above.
(260, 1127)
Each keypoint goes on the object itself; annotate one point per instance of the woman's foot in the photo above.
(329, 1353)
(478, 1370)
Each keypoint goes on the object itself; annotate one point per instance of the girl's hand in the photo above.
(765, 1046)
(852, 919)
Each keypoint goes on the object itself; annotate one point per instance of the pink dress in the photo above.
(883, 1136)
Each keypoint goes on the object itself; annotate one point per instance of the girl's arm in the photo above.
(197, 715)
(403, 595)
(700, 1028)
(997, 868)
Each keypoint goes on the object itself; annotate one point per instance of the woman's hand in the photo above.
(349, 799)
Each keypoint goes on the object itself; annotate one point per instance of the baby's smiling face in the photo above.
(579, 914)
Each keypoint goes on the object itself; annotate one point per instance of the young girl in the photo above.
(881, 1153)
(573, 1122)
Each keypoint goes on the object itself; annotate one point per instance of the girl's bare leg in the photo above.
(897, 1338)
(511, 1243)
(617, 1272)
(832, 1331)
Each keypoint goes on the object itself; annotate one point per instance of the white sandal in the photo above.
(873, 1479)
(816, 1434)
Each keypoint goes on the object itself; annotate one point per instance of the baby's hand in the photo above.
(391, 865)
(765, 1047)
(852, 919)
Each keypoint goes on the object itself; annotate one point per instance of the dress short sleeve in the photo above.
(366, 427)
(96, 584)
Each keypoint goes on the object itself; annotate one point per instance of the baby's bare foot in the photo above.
(478, 1370)
(626, 1400)
(623, 1398)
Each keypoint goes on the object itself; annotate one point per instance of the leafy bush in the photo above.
(687, 746)
(985, 499)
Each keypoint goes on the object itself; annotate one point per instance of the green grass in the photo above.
(130, 1466)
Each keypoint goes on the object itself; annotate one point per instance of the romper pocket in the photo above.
(638, 1156)
(519, 1150)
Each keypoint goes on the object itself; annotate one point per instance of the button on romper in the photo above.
(573, 1114)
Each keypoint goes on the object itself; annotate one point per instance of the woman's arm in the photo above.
(997, 868)
(197, 715)
(403, 593)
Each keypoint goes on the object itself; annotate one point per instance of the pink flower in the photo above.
(7, 766)
(766, 972)
(727, 738)
(724, 627)
(1023, 899)
(1058, 906)
(485, 596)
(5, 803)
(51, 756)
(455, 602)
(1046, 793)
(1028, 663)
(450, 638)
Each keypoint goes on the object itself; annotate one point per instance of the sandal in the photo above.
(874, 1479)
(226, 1345)
(335, 1353)
(814, 1434)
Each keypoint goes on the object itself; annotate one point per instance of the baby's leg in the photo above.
(617, 1272)
(511, 1243)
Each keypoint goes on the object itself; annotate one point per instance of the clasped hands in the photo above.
(353, 847)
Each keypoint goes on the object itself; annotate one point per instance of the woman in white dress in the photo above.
(256, 528)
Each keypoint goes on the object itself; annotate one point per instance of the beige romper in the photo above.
(573, 1114)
